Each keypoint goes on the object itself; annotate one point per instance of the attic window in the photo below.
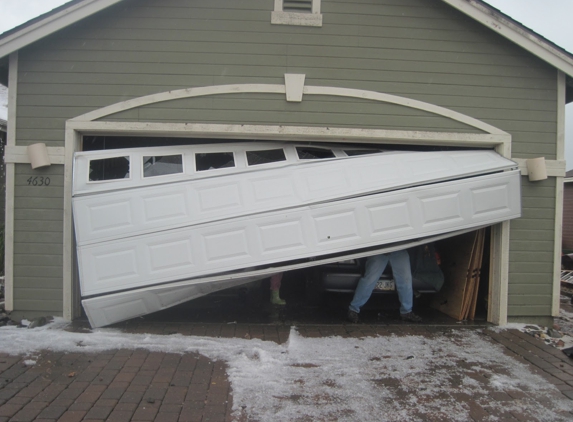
(297, 6)
(297, 12)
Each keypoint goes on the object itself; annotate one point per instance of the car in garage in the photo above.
(343, 276)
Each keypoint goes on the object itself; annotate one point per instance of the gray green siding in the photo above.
(38, 234)
(531, 251)
(420, 49)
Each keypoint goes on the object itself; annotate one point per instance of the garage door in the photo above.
(159, 226)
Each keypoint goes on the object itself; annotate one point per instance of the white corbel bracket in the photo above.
(554, 168)
(294, 85)
(536, 169)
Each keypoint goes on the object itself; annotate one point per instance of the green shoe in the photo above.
(275, 298)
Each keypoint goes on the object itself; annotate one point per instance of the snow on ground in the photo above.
(390, 378)
(565, 323)
(559, 336)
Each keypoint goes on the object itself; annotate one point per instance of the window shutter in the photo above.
(297, 6)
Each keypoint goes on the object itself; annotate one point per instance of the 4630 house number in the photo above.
(38, 181)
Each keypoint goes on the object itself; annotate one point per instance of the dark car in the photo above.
(343, 276)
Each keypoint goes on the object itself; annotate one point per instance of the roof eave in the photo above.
(516, 33)
(51, 23)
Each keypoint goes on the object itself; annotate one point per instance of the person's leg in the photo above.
(276, 281)
(400, 262)
(275, 287)
(375, 266)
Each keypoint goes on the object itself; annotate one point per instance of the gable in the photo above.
(421, 50)
(77, 10)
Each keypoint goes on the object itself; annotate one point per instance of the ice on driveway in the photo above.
(384, 378)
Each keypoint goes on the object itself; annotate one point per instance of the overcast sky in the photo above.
(550, 18)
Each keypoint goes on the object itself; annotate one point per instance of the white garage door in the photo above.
(179, 222)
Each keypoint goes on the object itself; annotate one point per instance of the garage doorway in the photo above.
(308, 302)
(105, 143)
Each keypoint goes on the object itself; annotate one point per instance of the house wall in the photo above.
(420, 49)
(531, 251)
(567, 239)
(2, 182)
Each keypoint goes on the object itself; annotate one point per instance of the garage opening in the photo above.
(309, 300)
(142, 247)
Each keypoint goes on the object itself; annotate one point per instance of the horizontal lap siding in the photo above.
(38, 239)
(419, 49)
(532, 251)
(568, 218)
(314, 111)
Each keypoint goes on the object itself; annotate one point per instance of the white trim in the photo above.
(280, 17)
(499, 263)
(19, 154)
(555, 168)
(71, 304)
(296, 19)
(10, 185)
(499, 270)
(179, 94)
(12, 98)
(293, 133)
(403, 101)
(509, 29)
(84, 124)
(316, 6)
(559, 194)
(51, 24)
(561, 102)
(281, 89)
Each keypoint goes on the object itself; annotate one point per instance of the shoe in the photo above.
(275, 298)
(410, 317)
(353, 317)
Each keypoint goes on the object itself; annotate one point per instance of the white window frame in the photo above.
(280, 17)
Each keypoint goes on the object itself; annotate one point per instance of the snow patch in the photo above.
(389, 378)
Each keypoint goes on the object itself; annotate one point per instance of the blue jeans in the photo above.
(375, 266)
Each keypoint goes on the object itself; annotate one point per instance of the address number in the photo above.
(39, 181)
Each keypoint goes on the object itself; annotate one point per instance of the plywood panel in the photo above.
(456, 254)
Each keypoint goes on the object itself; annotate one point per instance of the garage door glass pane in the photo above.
(254, 158)
(109, 169)
(162, 165)
(214, 160)
(309, 153)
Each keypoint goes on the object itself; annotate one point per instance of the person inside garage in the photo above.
(375, 266)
